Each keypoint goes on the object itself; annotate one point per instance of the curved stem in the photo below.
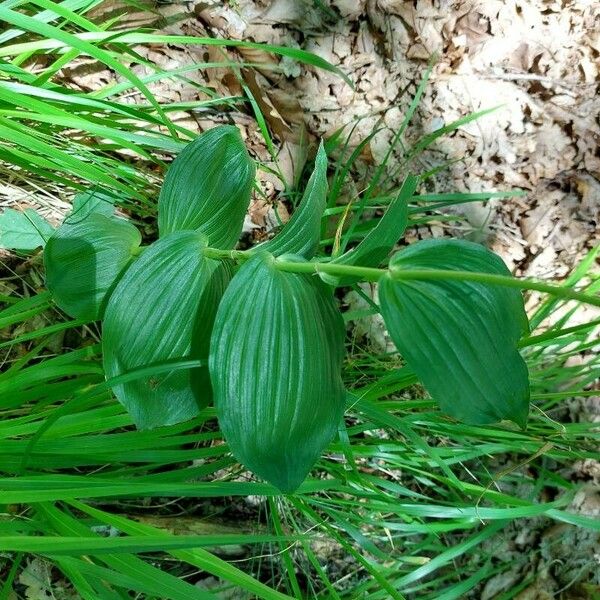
(372, 274)
(504, 280)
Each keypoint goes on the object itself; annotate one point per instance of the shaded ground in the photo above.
(538, 59)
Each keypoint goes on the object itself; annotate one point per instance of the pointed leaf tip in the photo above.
(208, 187)
(378, 243)
(301, 234)
(275, 362)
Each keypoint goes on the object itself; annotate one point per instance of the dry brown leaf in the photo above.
(294, 12)
(220, 78)
(258, 213)
(281, 110)
(259, 57)
(291, 159)
(350, 9)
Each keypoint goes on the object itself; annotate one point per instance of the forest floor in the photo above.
(538, 61)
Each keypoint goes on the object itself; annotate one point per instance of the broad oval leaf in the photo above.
(207, 188)
(84, 260)
(23, 231)
(459, 337)
(378, 243)
(301, 234)
(275, 361)
(163, 310)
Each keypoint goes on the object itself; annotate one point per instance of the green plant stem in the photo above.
(372, 274)
(552, 334)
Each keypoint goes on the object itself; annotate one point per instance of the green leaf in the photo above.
(93, 201)
(23, 231)
(85, 259)
(378, 243)
(275, 360)
(208, 187)
(163, 309)
(459, 337)
(301, 233)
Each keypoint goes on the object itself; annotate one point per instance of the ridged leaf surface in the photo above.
(460, 337)
(207, 188)
(300, 235)
(161, 310)
(84, 260)
(275, 361)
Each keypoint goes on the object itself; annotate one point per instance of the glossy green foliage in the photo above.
(275, 361)
(378, 243)
(460, 337)
(163, 310)
(208, 187)
(23, 231)
(301, 233)
(268, 344)
(84, 259)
